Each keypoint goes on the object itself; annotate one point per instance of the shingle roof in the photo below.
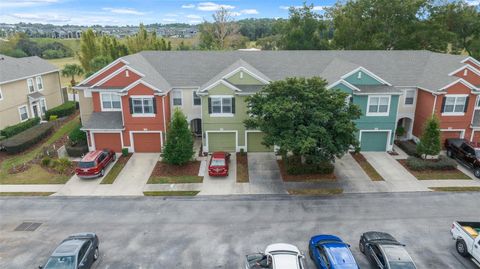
(104, 121)
(12, 69)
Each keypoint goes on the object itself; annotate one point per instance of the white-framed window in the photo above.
(23, 112)
(142, 106)
(378, 106)
(409, 97)
(221, 105)
(39, 81)
(477, 103)
(30, 86)
(43, 106)
(1, 94)
(177, 97)
(110, 101)
(454, 104)
(197, 101)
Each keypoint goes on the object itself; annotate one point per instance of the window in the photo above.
(23, 113)
(378, 105)
(221, 105)
(39, 81)
(142, 105)
(1, 94)
(454, 104)
(110, 102)
(177, 98)
(31, 88)
(197, 101)
(409, 97)
(43, 106)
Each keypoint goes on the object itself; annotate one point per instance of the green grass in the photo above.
(34, 175)
(455, 189)
(367, 167)
(60, 63)
(113, 174)
(170, 193)
(73, 44)
(320, 191)
(174, 180)
(26, 193)
(440, 175)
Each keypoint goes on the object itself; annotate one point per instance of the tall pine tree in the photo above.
(430, 141)
(179, 147)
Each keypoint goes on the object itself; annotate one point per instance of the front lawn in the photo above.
(164, 173)
(170, 193)
(367, 167)
(435, 174)
(26, 193)
(455, 189)
(116, 169)
(321, 191)
(304, 177)
(242, 168)
(34, 175)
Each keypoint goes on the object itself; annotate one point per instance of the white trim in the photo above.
(453, 113)
(222, 115)
(45, 102)
(414, 97)
(342, 81)
(388, 145)
(116, 72)
(462, 131)
(28, 86)
(20, 114)
(378, 114)
(142, 97)
(93, 132)
(225, 83)
(110, 109)
(241, 68)
(164, 116)
(35, 104)
(1, 94)
(103, 69)
(472, 135)
(465, 67)
(132, 143)
(143, 115)
(470, 58)
(371, 74)
(41, 82)
(193, 99)
(205, 147)
(129, 87)
(181, 98)
(460, 80)
(22, 78)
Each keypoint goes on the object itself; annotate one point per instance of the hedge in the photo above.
(77, 150)
(18, 128)
(295, 167)
(66, 109)
(77, 136)
(442, 163)
(28, 138)
(408, 147)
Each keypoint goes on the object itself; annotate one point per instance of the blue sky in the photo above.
(121, 12)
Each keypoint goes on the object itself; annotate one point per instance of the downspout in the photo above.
(434, 104)
(164, 120)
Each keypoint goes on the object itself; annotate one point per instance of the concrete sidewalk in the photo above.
(31, 187)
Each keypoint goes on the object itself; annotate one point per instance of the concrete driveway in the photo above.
(264, 174)
(220, 185)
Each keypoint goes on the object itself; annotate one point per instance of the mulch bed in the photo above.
(434, 174)
(367, 167)
(242, 168)
(306, 177)
(167, 170)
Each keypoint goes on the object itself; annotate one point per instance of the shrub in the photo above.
(400, 131)
(46, 161)
(408, 146)
(61, 165)
(28, 138)
(76, 151)
(77, 136)
(53, 118)
(295, 167)
(20, 127)
(124, 152)
(62, 110)
(442, 163)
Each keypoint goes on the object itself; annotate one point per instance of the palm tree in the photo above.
(72, 70)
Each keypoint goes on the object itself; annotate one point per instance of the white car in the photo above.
(467, 237)
(276, 256)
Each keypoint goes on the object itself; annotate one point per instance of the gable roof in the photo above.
(12, 69)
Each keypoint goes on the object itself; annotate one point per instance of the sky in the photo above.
(122, 12)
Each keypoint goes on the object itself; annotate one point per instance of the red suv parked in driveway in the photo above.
(95, 163)
(218, 166)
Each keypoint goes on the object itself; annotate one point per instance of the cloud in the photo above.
(235, 14)
(39, 17)
(210, 6)
(169, 20)
(249, 11)
(188, 6)
(192, 16)
(128, 11)
(53, 18)
(473, 2)
(25, 3)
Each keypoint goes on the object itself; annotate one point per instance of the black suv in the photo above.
(461, 150)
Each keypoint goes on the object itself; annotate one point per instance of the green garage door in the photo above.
(221, 142)
(254, 142)
(374, 141)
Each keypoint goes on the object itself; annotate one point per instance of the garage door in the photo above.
(221, 142)
(254, 142)
(108, 140)
(147, 142)
(374, 141)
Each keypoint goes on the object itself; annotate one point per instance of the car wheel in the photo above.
(96, 254)
(102, 173)
(477, 172)
(462, 248)
(361, 247)
(449, 153)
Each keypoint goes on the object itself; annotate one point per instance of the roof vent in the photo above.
(465, 72)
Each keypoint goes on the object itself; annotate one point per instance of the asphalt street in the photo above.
(217, 232)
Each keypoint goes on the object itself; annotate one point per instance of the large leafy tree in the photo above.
(222, 33)
(88, 49)
(302, 117)
(179, 147)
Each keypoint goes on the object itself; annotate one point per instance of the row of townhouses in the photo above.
(28, 87)
(129, 103)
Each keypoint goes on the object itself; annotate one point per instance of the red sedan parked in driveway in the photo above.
(95, 163)
(218, 166)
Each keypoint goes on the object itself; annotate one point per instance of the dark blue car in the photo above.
(330, 252)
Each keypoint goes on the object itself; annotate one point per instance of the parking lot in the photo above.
(216, 232)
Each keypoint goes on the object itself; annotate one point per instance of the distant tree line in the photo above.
(20, 45)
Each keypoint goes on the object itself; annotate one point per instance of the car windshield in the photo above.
(341, 255)
(402, 265)
(218, 162)
(477, 153)
(64, 262)
(86, 164)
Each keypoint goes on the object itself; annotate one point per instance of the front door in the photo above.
(35, 110)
